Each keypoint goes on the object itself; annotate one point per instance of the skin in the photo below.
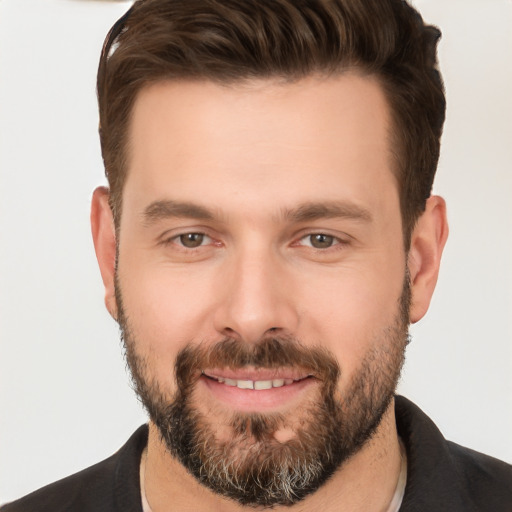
(252, 155)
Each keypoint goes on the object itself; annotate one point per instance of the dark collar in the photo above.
(443, 476)
(127, 471)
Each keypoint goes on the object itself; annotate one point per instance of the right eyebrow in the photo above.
(165, 209)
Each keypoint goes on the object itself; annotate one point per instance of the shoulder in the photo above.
(77, 492)
(488, 480)
(442, 475)
(110, 485)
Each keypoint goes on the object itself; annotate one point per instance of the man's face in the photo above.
(260, 246)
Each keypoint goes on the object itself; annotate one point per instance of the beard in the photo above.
(249, 465)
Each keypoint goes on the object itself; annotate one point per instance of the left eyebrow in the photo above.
(327, 210)
(165, 209)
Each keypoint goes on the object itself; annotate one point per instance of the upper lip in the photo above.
(256, 374)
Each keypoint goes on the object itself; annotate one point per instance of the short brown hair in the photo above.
(230, 40)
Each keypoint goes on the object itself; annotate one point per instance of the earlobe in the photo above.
(104, 236)
(427, 243)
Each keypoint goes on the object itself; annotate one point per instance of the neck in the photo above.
(366, 482)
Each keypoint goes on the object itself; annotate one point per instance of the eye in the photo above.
(319, 241)
(192, 240)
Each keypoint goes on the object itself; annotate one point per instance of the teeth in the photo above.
(263, 384)
(255, 384)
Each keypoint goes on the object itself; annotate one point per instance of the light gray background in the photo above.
(65, 401)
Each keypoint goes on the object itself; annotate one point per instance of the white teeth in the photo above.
(255, 384)
(263, 384)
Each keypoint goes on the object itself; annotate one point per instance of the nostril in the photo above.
(231, 333)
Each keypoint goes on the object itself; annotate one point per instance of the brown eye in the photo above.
(321, 241)
(192, 240)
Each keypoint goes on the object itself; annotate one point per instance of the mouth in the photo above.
(256, 390)
(258, 385)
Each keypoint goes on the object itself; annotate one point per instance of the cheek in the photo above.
(349, 312)
(165, 309)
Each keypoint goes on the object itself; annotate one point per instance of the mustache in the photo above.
(268, 353)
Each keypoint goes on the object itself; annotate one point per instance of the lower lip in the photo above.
(253, 400)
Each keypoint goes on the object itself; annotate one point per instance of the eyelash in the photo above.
(175, 240)
(337, 243)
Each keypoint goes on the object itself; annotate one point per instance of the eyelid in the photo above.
(173, 236)
(339, 240)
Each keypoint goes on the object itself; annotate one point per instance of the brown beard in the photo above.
(251, 466)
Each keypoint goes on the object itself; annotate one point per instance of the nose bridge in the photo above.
(256, 297)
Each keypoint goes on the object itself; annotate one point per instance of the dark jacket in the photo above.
(441, 476)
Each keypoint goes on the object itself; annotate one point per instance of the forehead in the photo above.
(300, 141)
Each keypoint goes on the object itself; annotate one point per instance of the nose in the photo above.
(257, 299)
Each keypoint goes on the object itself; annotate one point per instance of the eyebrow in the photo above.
(165, 209)
(327, 210)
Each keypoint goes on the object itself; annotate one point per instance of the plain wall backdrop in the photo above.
(65, 398)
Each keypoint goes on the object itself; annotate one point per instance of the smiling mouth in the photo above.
(255, 384)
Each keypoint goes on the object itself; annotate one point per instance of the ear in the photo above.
(104, 236)
(427, 244)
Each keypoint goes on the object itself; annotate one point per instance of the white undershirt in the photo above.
(398, 497)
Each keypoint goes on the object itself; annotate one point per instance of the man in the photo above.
(267, 238)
